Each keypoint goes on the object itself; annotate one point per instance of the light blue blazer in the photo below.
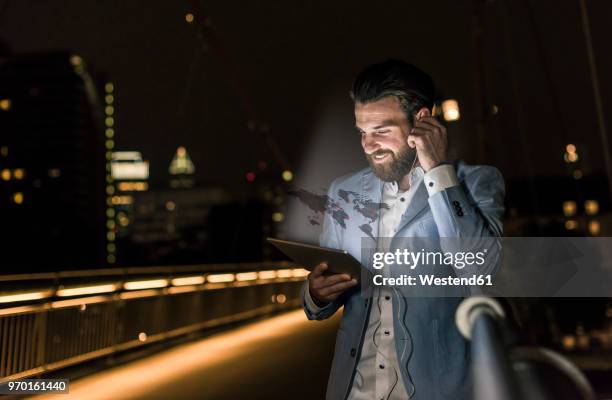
(432, 354)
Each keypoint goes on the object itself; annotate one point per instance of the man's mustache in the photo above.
(381, 153)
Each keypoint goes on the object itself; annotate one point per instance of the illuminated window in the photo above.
(569, 208)
(287, 175)
(123, 220)
(122, 200)
(569, 342)
(450, 110)
(594, 227)
(571, 157)
(133, 186)
(591, 207)
(571, 225)
(18, 198)
(18, 173)
(76, 60)
(5, 104)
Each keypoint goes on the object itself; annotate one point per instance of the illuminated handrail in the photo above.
(52, 320)
(69, 284)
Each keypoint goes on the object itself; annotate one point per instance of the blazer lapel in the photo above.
(371, 190)
(417, 204)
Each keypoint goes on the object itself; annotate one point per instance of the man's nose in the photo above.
(370, 145)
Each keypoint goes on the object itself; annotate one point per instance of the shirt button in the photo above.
(387, 333)
(431, 184)
(381, 366)
(353, 352)
(387, 297)
(402, 199)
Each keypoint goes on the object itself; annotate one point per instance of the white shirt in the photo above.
(378, 374)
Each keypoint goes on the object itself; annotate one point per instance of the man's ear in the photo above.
(423, 112)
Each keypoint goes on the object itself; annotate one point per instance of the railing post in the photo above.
(478, 320)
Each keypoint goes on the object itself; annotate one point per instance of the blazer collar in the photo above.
(417, 204)
(372, 188)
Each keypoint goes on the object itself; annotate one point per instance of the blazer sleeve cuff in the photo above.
(440, 178)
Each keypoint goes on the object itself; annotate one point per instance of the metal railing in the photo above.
(53, 320)
(504, 372)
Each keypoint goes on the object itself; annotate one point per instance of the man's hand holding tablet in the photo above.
(333, 271)
(326, 288)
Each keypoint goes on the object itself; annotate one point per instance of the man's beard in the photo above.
(395, 169)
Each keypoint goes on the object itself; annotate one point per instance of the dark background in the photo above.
(293, 58)
(260, 87)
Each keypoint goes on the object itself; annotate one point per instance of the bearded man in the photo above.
(389, 346)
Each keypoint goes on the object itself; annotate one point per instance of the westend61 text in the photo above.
(432, 280)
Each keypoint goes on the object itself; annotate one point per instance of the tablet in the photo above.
(309, 256)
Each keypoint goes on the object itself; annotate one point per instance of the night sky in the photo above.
(297, 60)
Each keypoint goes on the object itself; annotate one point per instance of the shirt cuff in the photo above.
(439, 178)
(312, 306)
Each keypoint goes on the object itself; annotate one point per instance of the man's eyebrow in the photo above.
(386, 123)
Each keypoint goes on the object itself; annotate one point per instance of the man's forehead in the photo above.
(386, 109)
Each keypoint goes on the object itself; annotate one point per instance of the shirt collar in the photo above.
(392, 188)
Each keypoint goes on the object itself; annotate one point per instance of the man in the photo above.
(391, 346)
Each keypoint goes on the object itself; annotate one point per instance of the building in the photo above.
(52, 165)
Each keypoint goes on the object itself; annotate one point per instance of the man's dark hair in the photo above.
(413, 87)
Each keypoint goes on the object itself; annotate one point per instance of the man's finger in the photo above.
(432, 121)
(420, 131)
(332, 280)
(415, 140)
(431, 128)
(337, 288)
(318, 271)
